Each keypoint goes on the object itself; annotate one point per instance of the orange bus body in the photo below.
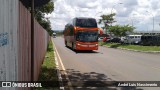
(71, 33)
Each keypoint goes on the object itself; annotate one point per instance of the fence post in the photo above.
(32, 40)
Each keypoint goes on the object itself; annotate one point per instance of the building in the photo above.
(148, 32)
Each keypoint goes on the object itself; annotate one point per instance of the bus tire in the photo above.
(72, 46)
(65, 43)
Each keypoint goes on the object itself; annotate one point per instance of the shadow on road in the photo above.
(86, 51)
(118, 45)
(115, 46)
(83, 51)
(92, 81)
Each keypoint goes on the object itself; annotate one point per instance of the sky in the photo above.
(139, 13)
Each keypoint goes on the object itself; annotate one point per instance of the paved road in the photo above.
(109, 64)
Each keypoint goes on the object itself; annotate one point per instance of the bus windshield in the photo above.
(87, 23)
(87, 36)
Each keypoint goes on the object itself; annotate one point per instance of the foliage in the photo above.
(106, 20)
(133, 47)
(118, 30)
(40, 16)
(48, 69)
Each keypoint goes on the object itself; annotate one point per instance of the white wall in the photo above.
(8, 40)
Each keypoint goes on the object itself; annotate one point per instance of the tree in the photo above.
(117, 30)
(120, 31)
(40, 16)
(106, 20)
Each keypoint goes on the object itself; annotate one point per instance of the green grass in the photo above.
(101, 43)
(48, 69)
(142, 48)
(134, 47)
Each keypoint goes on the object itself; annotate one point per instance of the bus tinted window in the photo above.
(84, 22)
(87, 36)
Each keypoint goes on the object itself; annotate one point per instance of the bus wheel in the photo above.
(73, 46)
(66, 43)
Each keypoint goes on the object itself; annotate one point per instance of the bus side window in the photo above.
(71, 29)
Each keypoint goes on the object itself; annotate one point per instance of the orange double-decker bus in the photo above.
(81, 34)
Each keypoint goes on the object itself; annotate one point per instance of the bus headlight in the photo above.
(96, 44)
(78, 44)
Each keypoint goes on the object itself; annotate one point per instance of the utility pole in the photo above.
(112, 9)
(32, 40)
(153, 21)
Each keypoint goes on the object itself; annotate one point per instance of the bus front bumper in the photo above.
(86, 46)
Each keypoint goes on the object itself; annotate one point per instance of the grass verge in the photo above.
(48, 69)
(134, 47)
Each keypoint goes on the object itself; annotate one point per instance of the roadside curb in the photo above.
(154, 52)
(58, 62)
(57, 68)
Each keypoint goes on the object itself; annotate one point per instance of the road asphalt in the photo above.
(93, 68)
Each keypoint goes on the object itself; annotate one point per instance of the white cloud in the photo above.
(130, 10)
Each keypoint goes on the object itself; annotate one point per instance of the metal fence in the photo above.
(24, 38)
(15, 43)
